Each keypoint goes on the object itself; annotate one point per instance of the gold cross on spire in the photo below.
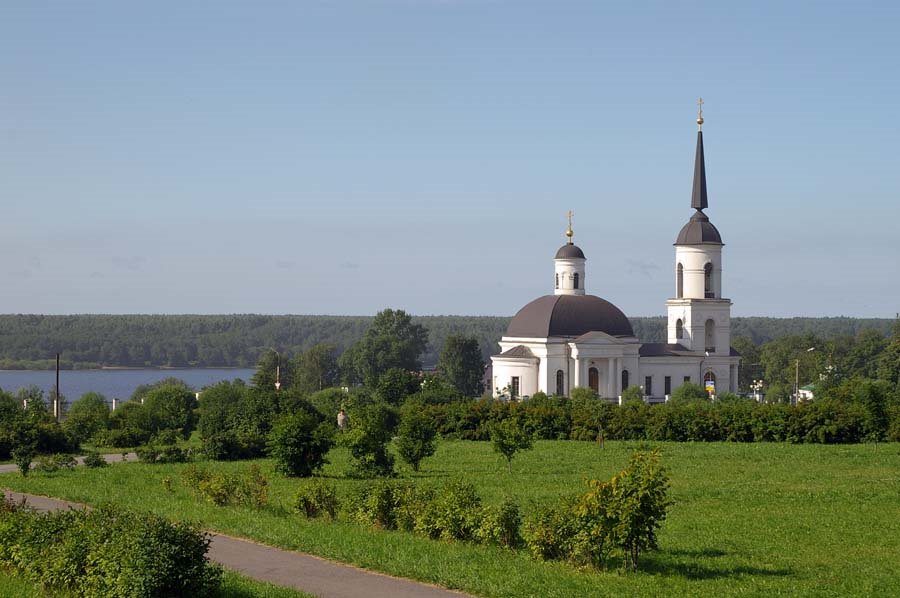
(700, 114)
(569, 231)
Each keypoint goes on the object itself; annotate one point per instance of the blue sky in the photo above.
(344, 156)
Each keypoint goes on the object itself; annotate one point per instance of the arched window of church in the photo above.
(679, 282)
(624, 379)
(576, 281)
(679, 328)
(557, 280)
(707, 281)
(710, 335)
(594, 379)
(560, 383)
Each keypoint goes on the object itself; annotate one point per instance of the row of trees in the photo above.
(825, 362)
(31, 341)
(392, 345)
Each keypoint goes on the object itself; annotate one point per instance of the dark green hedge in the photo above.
(107, 552)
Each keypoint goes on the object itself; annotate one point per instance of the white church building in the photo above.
(571, 339)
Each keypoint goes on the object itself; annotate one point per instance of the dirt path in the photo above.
(308, 573)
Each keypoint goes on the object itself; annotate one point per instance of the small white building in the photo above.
(571, 339)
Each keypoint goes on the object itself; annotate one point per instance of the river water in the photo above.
(113, 384)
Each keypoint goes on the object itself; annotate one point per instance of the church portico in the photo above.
(571, 339)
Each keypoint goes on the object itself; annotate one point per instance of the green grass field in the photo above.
(748, 519)
(233, 586)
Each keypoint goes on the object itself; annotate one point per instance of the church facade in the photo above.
(571, 339)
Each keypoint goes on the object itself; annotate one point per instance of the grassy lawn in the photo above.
(233, 586)
(749, 519)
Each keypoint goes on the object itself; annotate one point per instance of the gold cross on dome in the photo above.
(699, 113)
(569, 231)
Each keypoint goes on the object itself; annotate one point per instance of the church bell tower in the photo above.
(699, 317)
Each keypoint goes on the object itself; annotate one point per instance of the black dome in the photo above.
(699, 230)
(568, 315)
(569, 251)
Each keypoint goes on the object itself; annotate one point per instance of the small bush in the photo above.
(23, 455)
(93, 460)
(376, 504)
(621, 515)
(316, 499)
(222, 489)
(548, 533)
(107, 553)
(54, 463)
(501, 525)
(454, 514)
(159, 453)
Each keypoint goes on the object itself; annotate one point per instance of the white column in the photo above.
(578, 375)
(610, 378)
(619, 367)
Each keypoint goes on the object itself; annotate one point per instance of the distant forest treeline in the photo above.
(32, 341)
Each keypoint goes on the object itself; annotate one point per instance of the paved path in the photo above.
(112, 458)
(308, 573)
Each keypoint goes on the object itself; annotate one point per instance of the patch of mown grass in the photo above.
(748, 518)
(233, 586)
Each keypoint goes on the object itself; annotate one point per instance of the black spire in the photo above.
(698, 197)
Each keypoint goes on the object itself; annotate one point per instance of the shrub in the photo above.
(298, 444)
(622, 514)
(638, 501)
(23, 455)
(108, 552)
(171, 407)
(316, 499)
(376, 504)
(548, 533)
(501, 525)
(222, 489)
(508, 437)
(53, 463)
(93, 459)
(453, 514)
(154, 452)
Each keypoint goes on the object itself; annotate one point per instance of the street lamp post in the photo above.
(277, 371)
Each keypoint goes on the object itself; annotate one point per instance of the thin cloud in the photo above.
(645, 269)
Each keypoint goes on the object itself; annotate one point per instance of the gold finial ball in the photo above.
(699, 120)
(569, 233)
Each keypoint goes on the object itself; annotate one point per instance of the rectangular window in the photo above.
(668, 383)
(514, 388)
(687, 379)
(648, 386)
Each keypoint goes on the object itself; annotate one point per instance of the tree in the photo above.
(368, 437)
(889, 360)
(415, 435)
(396, 384)
(87, 416)
(171, 407)
(271, 366)
(462, 365)
(235, 420)
(299, 443)
(750, 369)
(392, 341)
(315, 369)
(508, 437)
